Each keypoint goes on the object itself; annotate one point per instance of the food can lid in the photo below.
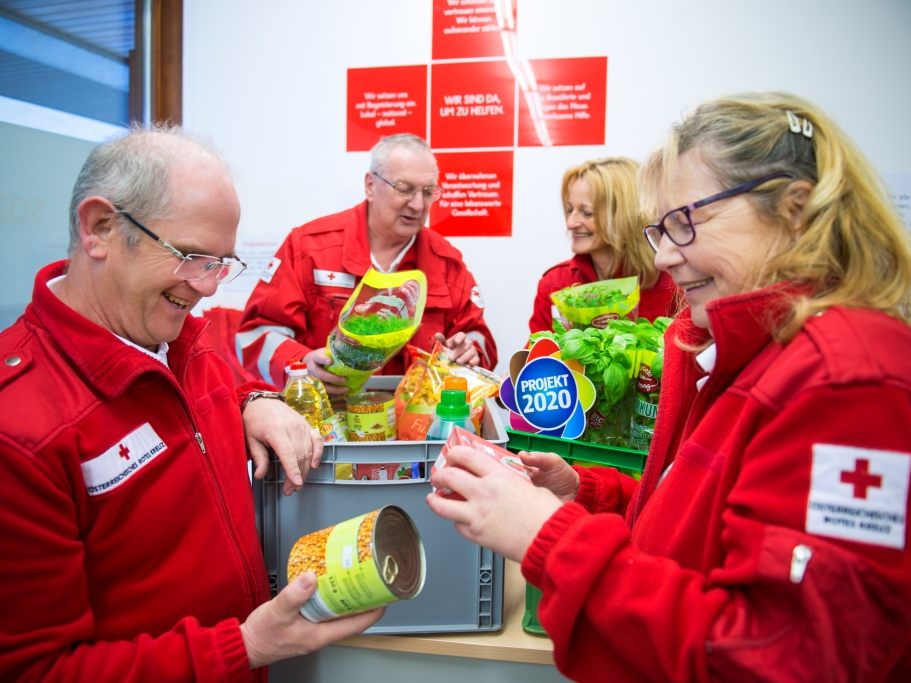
(399, 553)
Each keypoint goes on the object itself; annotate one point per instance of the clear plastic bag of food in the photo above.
(379, 318)
(419, 390)
(594, 303)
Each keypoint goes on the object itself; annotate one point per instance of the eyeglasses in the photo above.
(430, 193)
(194, 266)
(678, 223)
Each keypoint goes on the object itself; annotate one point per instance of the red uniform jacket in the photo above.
(776, 546)
(128, 549)
(660, 299)
(295, 306)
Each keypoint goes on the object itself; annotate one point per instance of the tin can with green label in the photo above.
(362, 563)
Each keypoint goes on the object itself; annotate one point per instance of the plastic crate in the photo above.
(463, 590)
(578, 452)
(627, 460)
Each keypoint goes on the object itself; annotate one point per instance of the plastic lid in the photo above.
(452, 405)
(453, 382)
(297, 369)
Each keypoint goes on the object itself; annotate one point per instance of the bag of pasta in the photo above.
(379, 318)
(418, 392)
(593, 304)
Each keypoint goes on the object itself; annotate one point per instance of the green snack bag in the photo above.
(595, 303)
(379, 318)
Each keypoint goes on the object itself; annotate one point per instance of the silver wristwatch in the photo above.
(253, 395)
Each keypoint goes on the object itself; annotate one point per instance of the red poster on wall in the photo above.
(471, 28)
(385, 101)
(477, 194)
(472, 105)
(565, 103)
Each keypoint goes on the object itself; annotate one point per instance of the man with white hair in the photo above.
(126, 522)
(297, 302)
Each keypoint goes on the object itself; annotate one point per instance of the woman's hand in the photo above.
(552, 472)
(502, 510)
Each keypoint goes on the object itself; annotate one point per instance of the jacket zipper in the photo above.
(251, 590)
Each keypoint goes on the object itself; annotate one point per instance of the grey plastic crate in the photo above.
(463, 590)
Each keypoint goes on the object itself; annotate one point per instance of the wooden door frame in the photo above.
(166, 62)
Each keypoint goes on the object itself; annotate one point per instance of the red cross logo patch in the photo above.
(859, 494)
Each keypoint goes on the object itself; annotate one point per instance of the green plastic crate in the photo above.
(578, 452)
(626, 460)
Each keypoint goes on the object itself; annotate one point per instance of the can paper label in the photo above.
(371, 421)
(349, 580)
(360, 564)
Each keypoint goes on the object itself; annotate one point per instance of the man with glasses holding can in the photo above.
(297, 302)
(127, 536)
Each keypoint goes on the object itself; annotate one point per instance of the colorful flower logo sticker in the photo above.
(546, 394)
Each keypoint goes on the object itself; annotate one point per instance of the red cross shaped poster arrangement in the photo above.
(485, 99)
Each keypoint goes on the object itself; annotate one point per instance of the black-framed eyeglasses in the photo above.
(430, 193)
(678, 223)
(194, 266)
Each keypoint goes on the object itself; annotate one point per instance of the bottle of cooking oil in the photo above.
(307, 395)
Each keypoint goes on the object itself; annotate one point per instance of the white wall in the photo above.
(266, 81)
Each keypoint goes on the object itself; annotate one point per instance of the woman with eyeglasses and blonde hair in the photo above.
(604, 224)
(768, 537)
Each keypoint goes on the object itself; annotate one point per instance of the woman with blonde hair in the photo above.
(604, 223)
(768, 538)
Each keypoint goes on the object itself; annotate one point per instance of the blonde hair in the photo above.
(851, 248)
(618, 217)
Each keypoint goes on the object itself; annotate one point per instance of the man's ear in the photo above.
(96, 226)
(369, 187)
(794, 202)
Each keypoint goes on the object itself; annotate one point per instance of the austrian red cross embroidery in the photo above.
(861, 478)
(124, 452)
(330, 276)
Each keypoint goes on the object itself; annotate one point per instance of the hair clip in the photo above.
(799, 125)
(807, 129)
(793, 122)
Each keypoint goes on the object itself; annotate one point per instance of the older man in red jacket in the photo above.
(296, 304)
(127, 536)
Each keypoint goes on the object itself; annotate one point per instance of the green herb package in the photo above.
(595, 303)
(612, 357)
(379, 318)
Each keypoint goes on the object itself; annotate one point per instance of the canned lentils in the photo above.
(361, 563)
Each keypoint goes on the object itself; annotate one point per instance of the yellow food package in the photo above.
(379, 318)
(418, 393)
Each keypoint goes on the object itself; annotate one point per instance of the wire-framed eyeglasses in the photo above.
(678, 223)
(194, 266)
(430, 193)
